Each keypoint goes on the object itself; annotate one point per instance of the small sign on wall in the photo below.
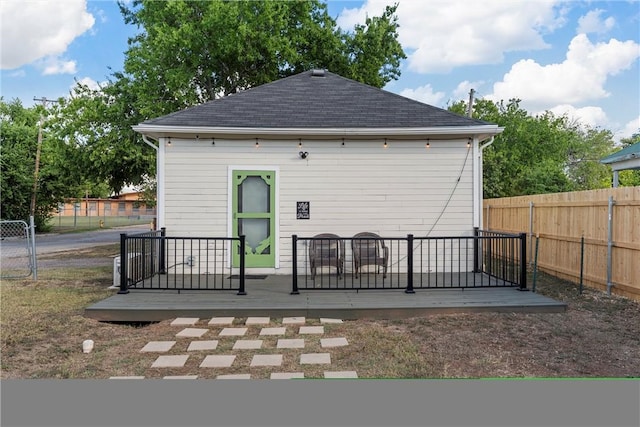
(302, 210)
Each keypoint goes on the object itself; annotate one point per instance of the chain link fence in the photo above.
(16, 249)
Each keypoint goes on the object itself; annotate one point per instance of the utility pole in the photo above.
(44, 101)
(470, 110)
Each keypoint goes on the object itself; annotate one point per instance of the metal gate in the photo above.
(17, 250)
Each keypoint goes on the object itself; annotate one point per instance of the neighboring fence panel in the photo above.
(611, 235)
(17, 250)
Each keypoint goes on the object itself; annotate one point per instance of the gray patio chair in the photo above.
(326, 253)
(369, 249)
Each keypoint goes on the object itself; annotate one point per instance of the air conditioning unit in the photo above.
(138, 268)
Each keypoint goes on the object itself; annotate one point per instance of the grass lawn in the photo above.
(69, 224)
(42, 329)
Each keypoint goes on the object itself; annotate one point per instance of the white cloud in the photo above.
(32, 30)
(593, 23)
(89, 82)
(630, 129)
(424, 94)
(58, 66)
(580, 77)
(462, 90)
(590, 116)
(440, 35)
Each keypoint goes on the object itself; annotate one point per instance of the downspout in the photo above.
(478, 183)
(159, 180)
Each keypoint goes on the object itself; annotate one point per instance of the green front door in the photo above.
(254, 216)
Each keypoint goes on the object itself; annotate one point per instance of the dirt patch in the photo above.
(42, 328)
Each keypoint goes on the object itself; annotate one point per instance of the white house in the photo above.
(316, 153)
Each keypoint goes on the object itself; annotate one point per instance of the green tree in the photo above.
(629, 178)
(190, 52)
(18, 142)
(539, 154)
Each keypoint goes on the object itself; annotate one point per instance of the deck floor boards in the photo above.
(272, 297)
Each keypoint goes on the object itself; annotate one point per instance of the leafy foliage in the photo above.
(190, 52)
(540, 154)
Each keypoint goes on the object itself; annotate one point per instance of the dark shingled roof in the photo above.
(314, 99)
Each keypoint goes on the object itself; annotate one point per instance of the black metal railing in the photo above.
(155, 261)
(486, 259)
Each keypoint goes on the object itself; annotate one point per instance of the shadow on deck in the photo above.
(272, 297)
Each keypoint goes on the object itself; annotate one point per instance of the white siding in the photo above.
(360, 186)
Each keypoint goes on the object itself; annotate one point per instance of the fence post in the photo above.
(162, 254)
(34, 256)
(241, 291)
(294, 272)
(610, 244)
(123, 264)
(523, 261)
(530, 229)
(476, 249)
(409, 289)
(581, 261)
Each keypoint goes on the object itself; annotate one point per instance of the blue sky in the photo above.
(575, 57)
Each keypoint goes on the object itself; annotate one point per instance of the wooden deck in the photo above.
(271, 297)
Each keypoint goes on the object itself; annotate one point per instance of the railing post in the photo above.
(241, 291)
(409, 289)
(523, 261)
(123, 264)
(162, 250)
(476, 249)
(294, 272)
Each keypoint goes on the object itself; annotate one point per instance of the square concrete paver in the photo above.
(177, 361)
(293, 320)
(158, 346)
(192, 332)
(286, 375)
(203, 345)
(218, 361)
(257, 321)
(232, 332)
(290, 343)
(221, 321)
(247, 344)
(341, 374)
(273, 331)
(326, 320)
(234, 377)
(180, 377)
(311, 330)
(315, 359)
(333, 342)
(266, 360)
(185, 321)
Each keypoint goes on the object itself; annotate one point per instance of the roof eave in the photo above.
(481, 132)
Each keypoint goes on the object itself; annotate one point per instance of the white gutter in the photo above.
(483, 131)
(149, 143)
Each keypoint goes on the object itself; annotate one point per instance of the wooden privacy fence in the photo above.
(607, 219)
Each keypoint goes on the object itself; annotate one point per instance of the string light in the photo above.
(385, 146)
